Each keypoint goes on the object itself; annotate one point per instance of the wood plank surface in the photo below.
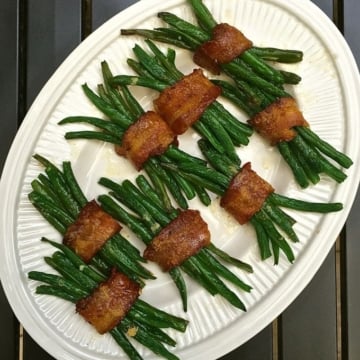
(53, 31)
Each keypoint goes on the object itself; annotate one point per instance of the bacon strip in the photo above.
(276, 121)
(180, 239)
(109, 303)
(92, 228)
(148, 136)
(182, 104)
(226, 43)
(246, 194)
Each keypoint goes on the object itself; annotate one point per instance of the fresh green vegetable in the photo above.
(77, 281)
(46, 195)
(206, 266)
(122, 109)
(257, 85)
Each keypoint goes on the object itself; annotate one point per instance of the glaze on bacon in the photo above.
(92, 228)
(109, 303)
(276, 121)
(226, 43)
(183, 103)
(180, 239)
(246, 194)
(148, 136)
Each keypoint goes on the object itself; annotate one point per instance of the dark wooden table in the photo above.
(323, 323)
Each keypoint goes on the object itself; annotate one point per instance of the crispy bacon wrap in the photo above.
(109, 303)
(246, 194)
(276, 122)
(180, 239)
(226, 43)
(92, 228)
(183, 103)
(150, 135)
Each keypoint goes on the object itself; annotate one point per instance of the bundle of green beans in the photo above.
(144, 215)
(271, 222)
(252, 65)
(58, 197)
(257, 85)
(77, 280)
(122, 109)
(158, 71)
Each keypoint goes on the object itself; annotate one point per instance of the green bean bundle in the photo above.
(58, 197)
(158, 71)
(77, 280)
(257, 86)
(251, 64)
(122, 110)
(272, 225)
(144, 215)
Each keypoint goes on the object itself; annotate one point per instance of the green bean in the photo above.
(111, 128)
(169, 181)
(179, 281)
(147, 190)
(152, 312)
(218, 268)
(154, 332)
(50, 290)
(324, 147)
(202, 195)
(76, 260)
(191, 268)
(144, 338)
(124, 264)
(188, 28)
(151, 65)
(278, 55)
(185, 186)
(158, 185)
(292, 161)
(66, 272)
(227, 258)
(61, 189)
(262, 238)
(275, 237)
(282, 221)
(92, 135)
(120, 193)
(199, 180)
(167, 65)
(73, 185)
(135, 224)
(263, 69)
(220, 287)
(133, 105)
(107, 109)
(125, 246)
(217, 161)
(125, 344)
(165, 35)
(58, 282)
(284, 201)
(59, 217)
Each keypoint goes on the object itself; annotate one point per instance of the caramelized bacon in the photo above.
(148, 136)
(276, 121)
(92, 228)
(245, 194)
(180, 239)
(225, 45)
(109, 303)
(182, 104)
